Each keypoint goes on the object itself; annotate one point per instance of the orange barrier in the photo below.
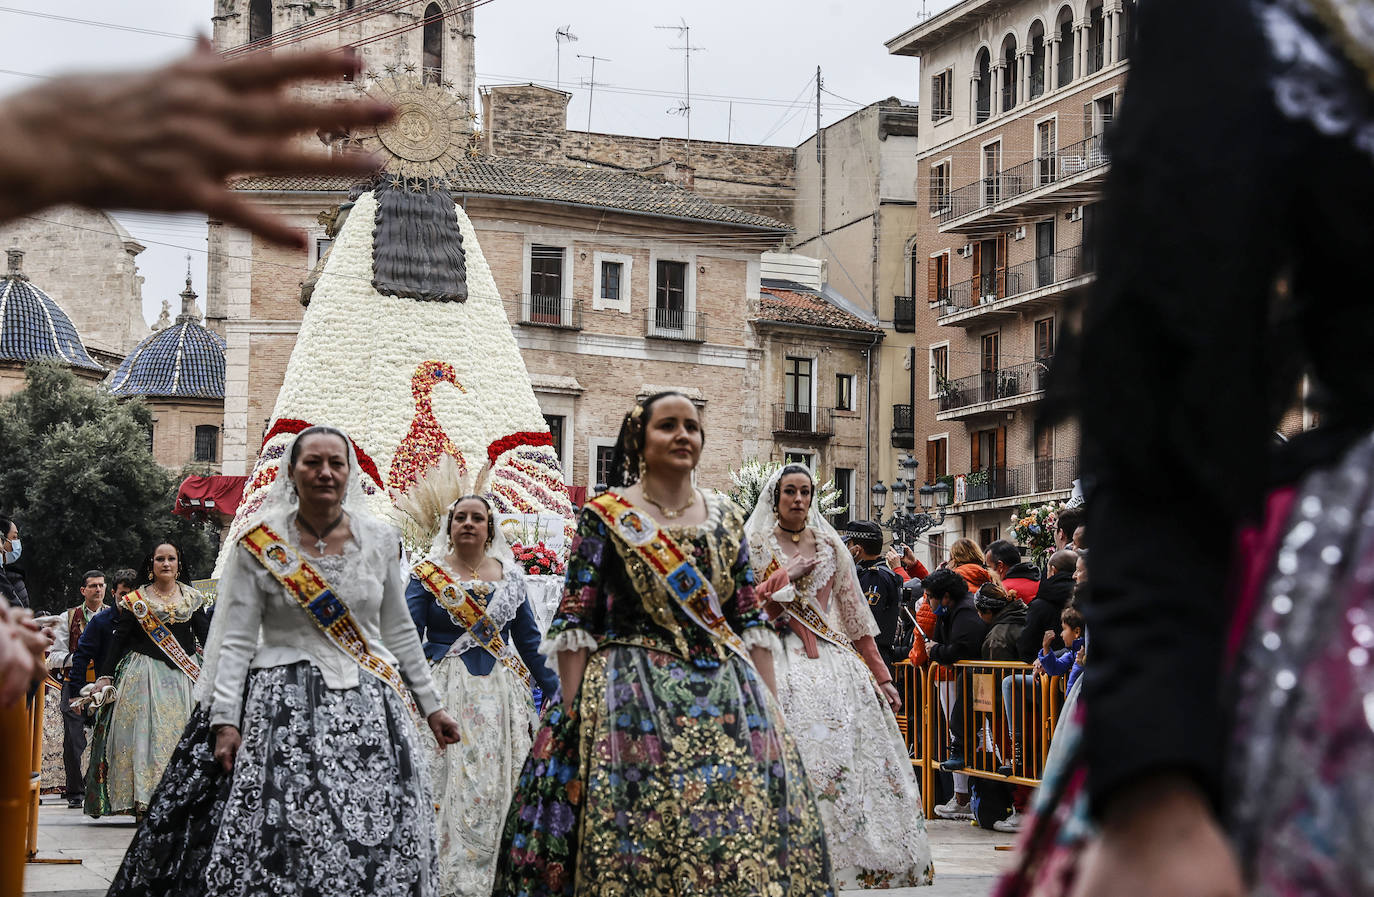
(36, 711)
(15, 775)
(995, 730)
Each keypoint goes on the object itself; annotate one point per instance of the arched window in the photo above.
(1097, 39)
(1009, 80)
(259, 20)
(1037, 60)
(434, 44)
(1066, 48)
(984, 92)
(347, 5)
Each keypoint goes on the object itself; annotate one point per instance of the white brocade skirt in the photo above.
(858, 766)
(474, 779)
(154, 703)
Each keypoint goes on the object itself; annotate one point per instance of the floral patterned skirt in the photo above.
(329, 796)
(665, 779)
(135, 736)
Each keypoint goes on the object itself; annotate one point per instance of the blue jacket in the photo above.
(94, 642)
(1057, 664)
(439, 632)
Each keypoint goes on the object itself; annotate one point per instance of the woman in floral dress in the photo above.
(666, 770)
(153, 678)
(486, 682)
(836, 692)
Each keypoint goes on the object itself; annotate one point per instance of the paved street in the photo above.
(966, 862)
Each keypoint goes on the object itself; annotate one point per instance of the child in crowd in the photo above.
(1072, 632)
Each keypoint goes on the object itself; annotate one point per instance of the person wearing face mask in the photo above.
(668, 769)
(959, 634)
(11, 580)
(835, 686)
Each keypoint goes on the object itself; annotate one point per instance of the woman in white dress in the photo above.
(836, 693)
(487, 682)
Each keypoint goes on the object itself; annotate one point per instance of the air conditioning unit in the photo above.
(966, 251)
(1019, 234)
(1075, 214)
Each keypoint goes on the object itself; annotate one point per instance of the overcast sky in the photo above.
(763, 54)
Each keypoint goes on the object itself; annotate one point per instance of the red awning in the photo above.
(201, 496)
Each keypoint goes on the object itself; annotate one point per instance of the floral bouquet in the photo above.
(750, 479)
(537, 559)
(1033, 528)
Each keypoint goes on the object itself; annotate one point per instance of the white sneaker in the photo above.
(1011, 824)
(954, 810)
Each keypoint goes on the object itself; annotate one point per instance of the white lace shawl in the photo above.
(502, 605)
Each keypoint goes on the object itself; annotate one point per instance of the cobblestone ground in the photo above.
(966, 858)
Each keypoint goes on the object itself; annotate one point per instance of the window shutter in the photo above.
(1001, 447)
(932, 280)
(975, 463)
(932, 457)
(977, 290)
(1087, 120)
(1001, 264)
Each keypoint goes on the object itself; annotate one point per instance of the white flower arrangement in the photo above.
(754, 475)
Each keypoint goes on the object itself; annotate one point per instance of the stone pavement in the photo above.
(966, 863)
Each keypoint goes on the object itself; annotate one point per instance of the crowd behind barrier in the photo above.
(996, 730)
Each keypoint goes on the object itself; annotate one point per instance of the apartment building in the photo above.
(1015, 99)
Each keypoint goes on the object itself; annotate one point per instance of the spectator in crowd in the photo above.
(1068, 522)
(1059, 662)
(959, 633)
(925, 628)
(1004, 616)
(94, 643)
(1078, 536)
(23, 646)
(71, 624)
(883, 589)
(905, 561)
(1004, 560)
(1050, 601)
(966, 559)
(11, 579)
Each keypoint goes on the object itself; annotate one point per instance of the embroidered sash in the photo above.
(160, 633)
(309, 589)
(464, 609)
(671, 566)
(810, 616)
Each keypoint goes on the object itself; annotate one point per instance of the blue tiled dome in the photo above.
(184, 360)
(34, 327)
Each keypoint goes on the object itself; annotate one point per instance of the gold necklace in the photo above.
(475, 574)
(796, 534)
(670, 513)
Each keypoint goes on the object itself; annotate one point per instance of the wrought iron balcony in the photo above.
(904, 314)
(903, 427)
(815, 422)
(1011, 186)
(999, 291)
(996, 483)
(967, 395)
(675, 324)
(550, 311)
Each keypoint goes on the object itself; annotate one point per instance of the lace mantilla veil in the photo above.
(277, 510)
(499, 547)
(759, 527)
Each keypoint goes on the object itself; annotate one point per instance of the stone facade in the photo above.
(86, 261)
(175, 424)
(530, 121)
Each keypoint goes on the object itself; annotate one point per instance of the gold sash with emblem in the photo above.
(160, 632)
(309, 589)
(465, 610)
(671, 566)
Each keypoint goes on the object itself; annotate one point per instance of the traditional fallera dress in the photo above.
(487, 683)
(672, 772)
(848, 737)
(154, 660)
(310, 657)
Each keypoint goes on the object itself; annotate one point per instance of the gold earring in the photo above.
(642, 468)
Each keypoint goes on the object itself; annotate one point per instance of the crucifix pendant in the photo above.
(320, 546)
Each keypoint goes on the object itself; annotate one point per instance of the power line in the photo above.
(129, 28)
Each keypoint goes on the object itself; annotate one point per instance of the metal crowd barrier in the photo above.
(994, 729)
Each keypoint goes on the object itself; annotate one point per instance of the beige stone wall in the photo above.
(174, 428)
(86, 262)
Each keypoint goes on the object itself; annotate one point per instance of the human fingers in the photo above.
(223, 205)
(272, 113)
(259, 70)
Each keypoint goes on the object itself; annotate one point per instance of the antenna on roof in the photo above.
(591, 85)
(685, 108)
(561, 36)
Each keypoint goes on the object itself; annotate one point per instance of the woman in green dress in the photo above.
(667, 770)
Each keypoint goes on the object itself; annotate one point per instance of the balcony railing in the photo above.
(991, 386)
(550, 311)
(904, 314)
(675, 324)
(1065, 73)
(1008, 283)
(1010, 183)
(431, 74)
(1046, 475)
(1097, 56)
(903, 427)
(789, 420)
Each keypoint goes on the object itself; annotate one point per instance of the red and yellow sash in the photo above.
(807, 614)
(309, 589)
(671, 566)
(463, 608)
(160, 633)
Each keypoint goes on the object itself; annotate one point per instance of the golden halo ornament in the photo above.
(431, 133)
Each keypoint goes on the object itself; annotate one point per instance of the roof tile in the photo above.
(791, 307)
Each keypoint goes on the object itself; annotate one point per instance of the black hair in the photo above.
(152, 552)
(1002, 552)
(128, 576)
(945, 582)
(1069, 520)
(789, 470)
(629, 445)
(417, 245)
(491, 515)
(97, 574)
(5, 524)
(868, 544)
(1071, 617)
(314, 431)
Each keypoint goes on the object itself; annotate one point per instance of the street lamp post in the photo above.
(906, 523)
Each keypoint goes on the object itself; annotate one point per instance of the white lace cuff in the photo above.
(785, 595)
(763, 637)
(567, 640)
